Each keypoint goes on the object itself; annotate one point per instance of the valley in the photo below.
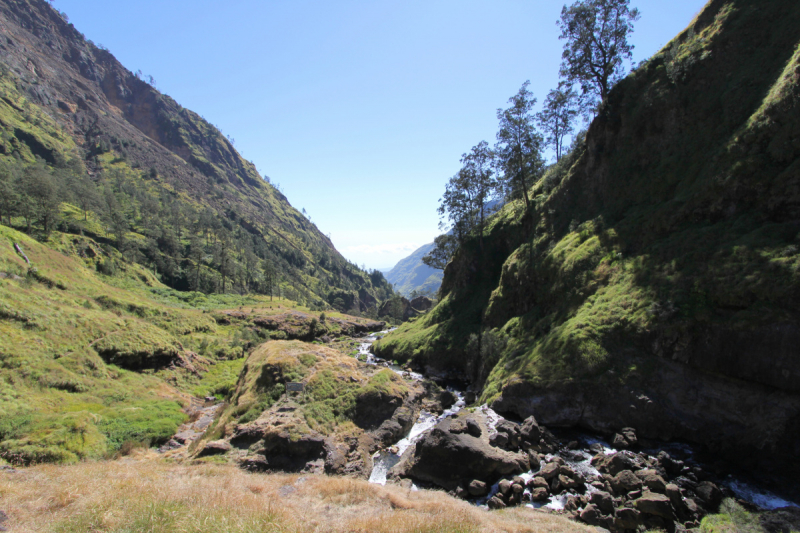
(606, 342)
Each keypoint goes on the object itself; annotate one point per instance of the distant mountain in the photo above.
(412, 274)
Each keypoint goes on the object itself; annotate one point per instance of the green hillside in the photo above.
(146, 176)
(134, 243)
(655, 280)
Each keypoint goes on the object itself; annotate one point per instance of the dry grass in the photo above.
(146, 495)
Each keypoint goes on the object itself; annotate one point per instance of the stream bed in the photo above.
(577, 455)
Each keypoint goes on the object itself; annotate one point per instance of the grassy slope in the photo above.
(59, 399)
(334, 383)
(146, 495)
(677, 217)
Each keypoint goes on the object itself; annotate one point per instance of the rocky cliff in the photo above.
(654, 282)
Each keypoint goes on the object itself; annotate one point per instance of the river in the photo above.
(579, 459)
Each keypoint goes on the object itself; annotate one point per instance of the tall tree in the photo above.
(444, 246)
(42, 195)
(519, 145)
(596, 34)
(561, 108)
(464, 205)
(197, 253)
(9, 175)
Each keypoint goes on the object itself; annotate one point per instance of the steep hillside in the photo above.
(655, 281)
(411, 274)
(153, 174)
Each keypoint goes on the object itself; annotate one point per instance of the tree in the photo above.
(9, 198)
(519, 145)
(41, 195)
(224, 259)
(86, 197)
(270, 273)
(463, 206)
(115, 217)
(197, 253)
(444, 246)
(561, 108)
(596, 32)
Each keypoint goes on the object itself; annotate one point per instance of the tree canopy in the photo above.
(596, 34)
(519, 145)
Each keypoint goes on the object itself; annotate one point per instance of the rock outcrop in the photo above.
(456, 452)
(267, 429)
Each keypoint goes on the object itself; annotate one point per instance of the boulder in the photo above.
(530, 430)
(592, 516)
(539, 482)
(540, 494)
(535, 459)
(473, 428)
(655, 504)
(710, 494)
(499, 440)
(505, 487)
(627, 518)
(616, 463)
(603, 501)
(567, 483)
(549, 471)
(674, 494)
(447, 399)
(516, 488)
(596, 448)
(478, 488)
(625, 481)
(652, 480)
(511, 430)
(217, 447)
(671, 466)
(495, 502)
(451, 459)
(568, 471)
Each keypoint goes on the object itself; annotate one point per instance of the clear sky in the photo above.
(359, 109)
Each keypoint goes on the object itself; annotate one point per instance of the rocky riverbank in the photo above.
(478, 456)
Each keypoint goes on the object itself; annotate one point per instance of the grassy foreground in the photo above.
(146, 495)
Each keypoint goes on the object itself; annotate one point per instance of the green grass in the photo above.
(334, 383)
(732, 518)
(646, 239)
(82, 369)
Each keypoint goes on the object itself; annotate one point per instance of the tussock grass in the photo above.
(146, 495)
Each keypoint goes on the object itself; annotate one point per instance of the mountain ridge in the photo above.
(411, 274)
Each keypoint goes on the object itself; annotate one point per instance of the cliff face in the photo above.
(656, 280)
(64, 98)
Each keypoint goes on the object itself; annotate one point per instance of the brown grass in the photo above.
(145, 495)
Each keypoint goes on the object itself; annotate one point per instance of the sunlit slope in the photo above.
(666, 244)
(70, 103)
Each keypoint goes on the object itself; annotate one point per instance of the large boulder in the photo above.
(655, 504)
(450, 460)
(710, 494)
(625, 481)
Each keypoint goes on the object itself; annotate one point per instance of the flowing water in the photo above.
(579, 459)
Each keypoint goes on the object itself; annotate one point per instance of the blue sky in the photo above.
(359, 109)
